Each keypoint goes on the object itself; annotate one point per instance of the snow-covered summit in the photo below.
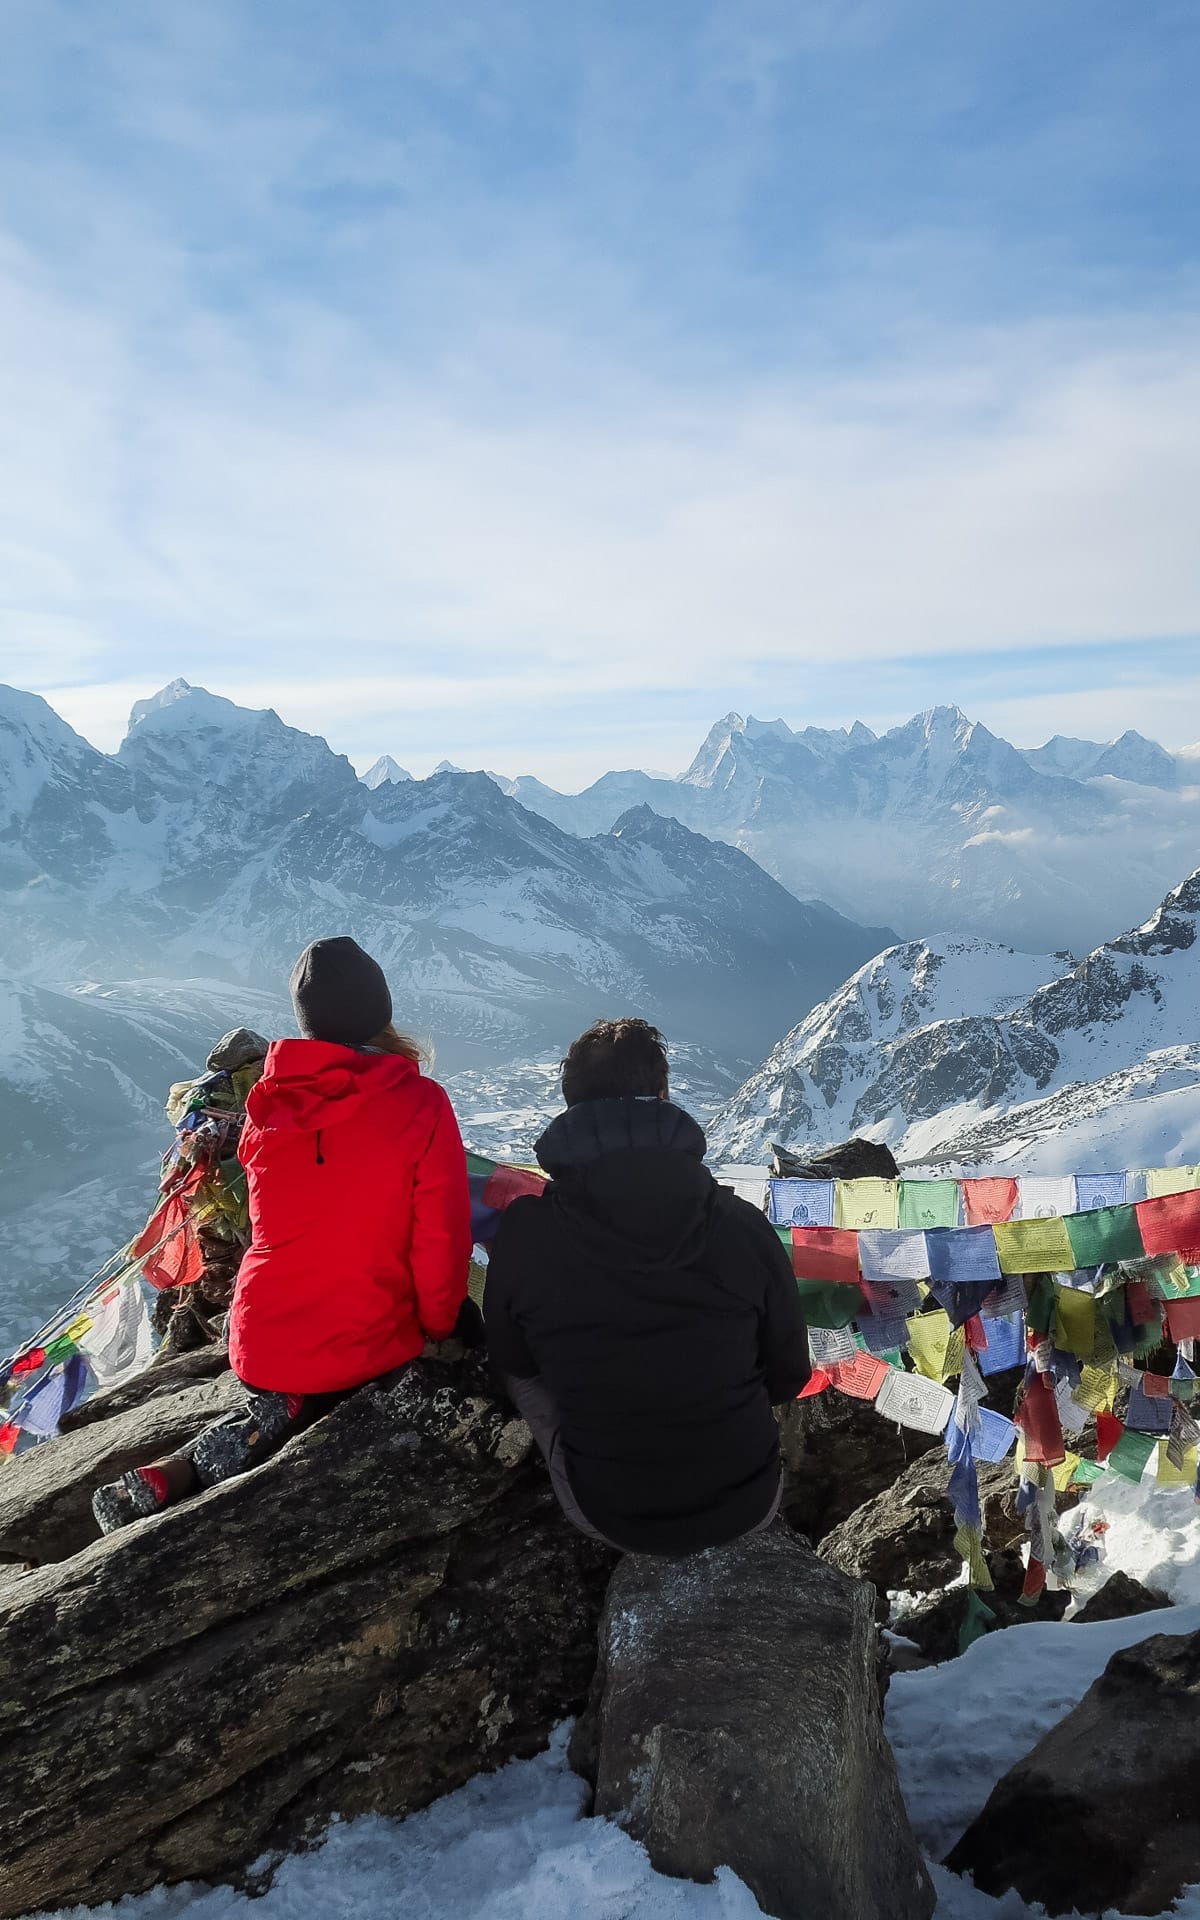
(934, 1044)
(385, 772)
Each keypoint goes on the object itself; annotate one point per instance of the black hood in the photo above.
(629, 1182)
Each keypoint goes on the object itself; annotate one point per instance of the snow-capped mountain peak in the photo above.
(385, 772)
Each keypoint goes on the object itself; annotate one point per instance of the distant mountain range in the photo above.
(937, 825)
(965, 1053)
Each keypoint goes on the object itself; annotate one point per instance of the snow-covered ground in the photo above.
(513, 1845)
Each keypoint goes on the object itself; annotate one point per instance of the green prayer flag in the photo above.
(1087, 1472)
(1129, 1456)
(976, 1621)
(1043, 1305)
(929, 1203)
(1104, 1235)
(1075, 1323)
(828, 1305)
(476, 1163)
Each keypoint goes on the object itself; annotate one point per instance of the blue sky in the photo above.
(531, 384)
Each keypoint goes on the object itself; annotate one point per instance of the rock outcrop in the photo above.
(1120, 1598)
(904, 1537)
(1102, 1814)
(358, 1626)
(715, 1752)
(838, 1454)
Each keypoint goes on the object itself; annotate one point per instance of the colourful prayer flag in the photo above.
(866, 1203)
(1104, 1236)
(929, 1203)
(914, 1401)
(892, 1254)
(1099, 1190)
(1171, 1224)
(962, 1256)
(1033, 1246)
(1161, 1181)
(1183, 1319)
(800, 1203)
(987, 1201)
(1129, 1456)
(1045, 1196)
(928, 1339)
(861, 1377)
(828, 1255)
(1075, 1323)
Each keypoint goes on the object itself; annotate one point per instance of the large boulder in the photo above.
(358, 1626)
(837, 1454)
(1102, 1814)
(736, 1720)
(1120, 1598)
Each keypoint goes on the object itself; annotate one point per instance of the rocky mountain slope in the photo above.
(937, 823)
(952, 1051)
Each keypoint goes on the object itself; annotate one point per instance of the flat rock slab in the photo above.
(389, 1605)
(736, 1721)
(46, 1493)
(1104, 1812)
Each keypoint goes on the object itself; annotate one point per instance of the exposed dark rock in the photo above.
(1102, 1814)
(358, 1626)
(837, 1454)
(164, 1377)
(936, 1626)
(852, 1160)
(46, 1494)
(1120, 1598)
(712, 1755)
(904, 1536)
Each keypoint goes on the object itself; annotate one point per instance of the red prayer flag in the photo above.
(825, 1254)
(1171, 1224)
(1037, 1417)
(1183, 1319)
(1156, 1385)
(861, 1377)
(31, 1361)
(817, 1382)
(975, 1334)
(988, 1201)
(1143, 1307)
(1108, 1431)
(506, 1184)
(9, 1435)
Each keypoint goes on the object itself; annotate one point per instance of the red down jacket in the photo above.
(360, 1217)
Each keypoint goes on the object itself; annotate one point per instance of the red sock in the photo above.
(156, 1480)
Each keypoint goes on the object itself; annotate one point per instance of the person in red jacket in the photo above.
(360, 1227)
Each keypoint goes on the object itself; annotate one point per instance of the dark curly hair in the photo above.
(615, 1060)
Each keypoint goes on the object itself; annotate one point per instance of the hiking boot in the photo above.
(135, 1496)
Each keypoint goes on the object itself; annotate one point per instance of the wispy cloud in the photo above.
(485, 378)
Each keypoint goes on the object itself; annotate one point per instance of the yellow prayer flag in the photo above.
(1074, 1322)
(1097, 1385)
(866, 1203)
(952, 1360)
(1163, 1180)
(1033, 1246)
(79, 1327)
(1064, 1473)
(967, 1542)
(928, 1340)
(1170, 1475)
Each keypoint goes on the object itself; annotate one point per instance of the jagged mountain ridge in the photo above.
(218, 841)
(944, 1062)
(937, 823)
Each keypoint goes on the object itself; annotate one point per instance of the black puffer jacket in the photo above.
(661, 1313)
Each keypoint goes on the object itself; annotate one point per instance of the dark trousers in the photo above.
(534, 1403)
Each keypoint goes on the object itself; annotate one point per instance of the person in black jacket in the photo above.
(644, 1318)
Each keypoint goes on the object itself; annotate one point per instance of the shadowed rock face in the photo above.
(389, 1605)
(714, 1753)
(1102, 1814)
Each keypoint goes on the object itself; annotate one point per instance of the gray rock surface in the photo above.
(712, 1754)
(837, 1454)
(46, 1493)
(1120, 1598)
(1103, 1813)
(391, 1604)
(904, 1536)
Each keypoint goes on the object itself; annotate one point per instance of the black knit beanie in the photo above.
(339, 993)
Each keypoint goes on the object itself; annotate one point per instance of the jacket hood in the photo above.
(629, 1182)
(308, 1085)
